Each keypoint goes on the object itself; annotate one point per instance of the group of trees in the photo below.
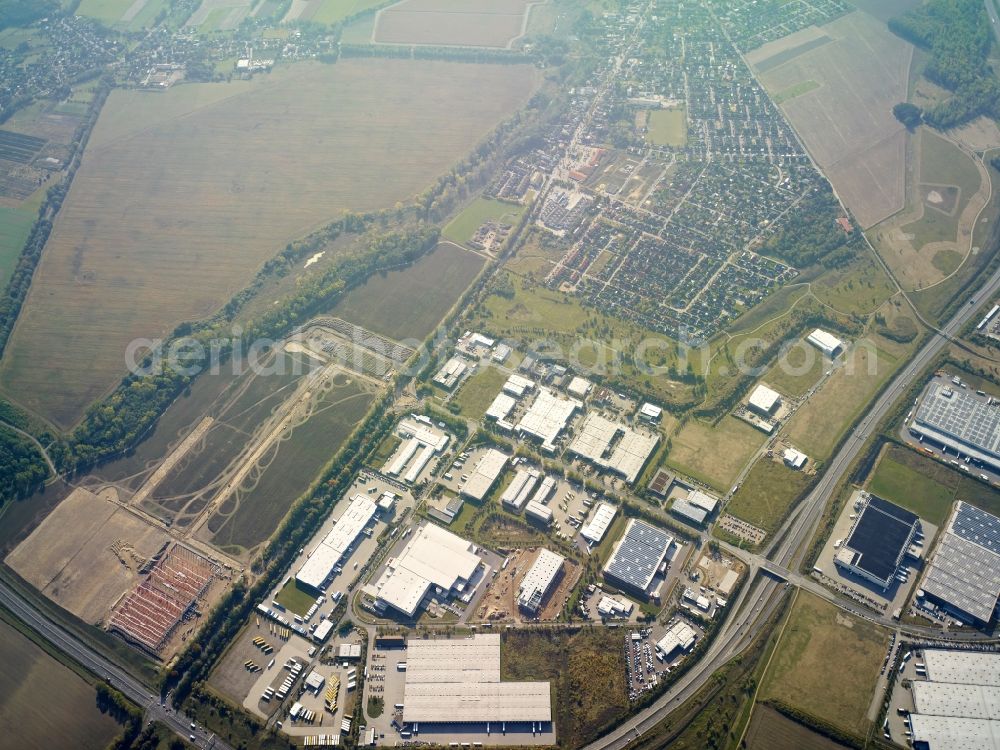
(958, 36)
(809, 233)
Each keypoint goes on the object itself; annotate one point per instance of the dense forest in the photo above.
(958, 36)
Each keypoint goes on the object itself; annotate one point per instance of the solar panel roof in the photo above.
(638, 554)
(880, 537)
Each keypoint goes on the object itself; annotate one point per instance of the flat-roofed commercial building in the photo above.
(457, 681)
(963, 576)
(826, 342)
(421, 442)
(547, 417)
(878, 541)
(538, 512)
(597, 527)
(327, 555)
(764, 400)
(960, 421)
(539, 579)
(679, 637)
(958, 704)
(434, 562)
(484, 475)
(637, 557)
(613, 446)
(516, 495)
(684, 509)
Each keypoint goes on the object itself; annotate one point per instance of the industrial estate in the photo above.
(598, 374)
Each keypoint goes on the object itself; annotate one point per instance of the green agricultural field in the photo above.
(714, 455)
(295, 599)
(667, 127)
(410, 303)
(15, 225)
(478, 392)
(332, 11)
(796, 371)
(798, 89)
(766, 494)
(817, 426)
(44, 704)
(182, 196)
(107, 11)
(926, 486)
(587, 672)
(464, 226)
(826, 664)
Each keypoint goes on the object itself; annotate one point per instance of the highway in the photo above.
(103, 667)
(758, 598)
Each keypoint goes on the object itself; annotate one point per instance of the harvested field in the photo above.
(464, 23)
(196, 197)
(845, 119)
(407, 305)
(69, 557)
(826, 664)
(771, 730)
(44, 704)
(714, 454)
(327, 11)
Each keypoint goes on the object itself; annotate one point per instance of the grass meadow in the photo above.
(714, 454)
(826, 664)
(183, 195)
(464, 226)
(478, 392)
(667, 127)
(767, 492)
(771, 730)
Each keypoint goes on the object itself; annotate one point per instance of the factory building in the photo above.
(538, 512)
(421, 442)
(638, 556)
(457, 681)
(449, 375)
(515, 497)
(960, 421)
(597, 527)
(434, 563)
(547, 417)
(679, 637)
(764, 401)
(484, 475)
(613, 446)
(684, 509)
(538, 581)
(878, 540)
(332, 549)
(826, 342)
(963, 576)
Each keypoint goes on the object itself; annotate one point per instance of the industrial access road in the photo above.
(761, 595)
(133, 689)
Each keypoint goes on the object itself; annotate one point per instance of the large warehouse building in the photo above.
(960, 421)
(422, 441)
(958, 705)
(484, 474)
(539, 580)
(547, 417)
(637, 557)
(434, 562)
(878, 541)
(457, 682)
(316, 571)
(613, 446)
(964, 574)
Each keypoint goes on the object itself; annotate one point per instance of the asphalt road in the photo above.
(122, 681)
(758, 599)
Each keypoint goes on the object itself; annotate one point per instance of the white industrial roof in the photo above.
(652, 411)
(517, 492)
(595, 530)
(502, 406)
(595, 437)
(484, 474)
(727, 583)
(421, 428)
(539, 578)
(331, 549)
(948, 732)
(539, 511)
(548, 416)
(684, 508)
(517, 385)
(948, 699)
(827, 342)
(963, 667)
(795, 459)
(433, 557)
(679, 636)
(578, 387)
(703, 500)
(764, 398)
(450, 681)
